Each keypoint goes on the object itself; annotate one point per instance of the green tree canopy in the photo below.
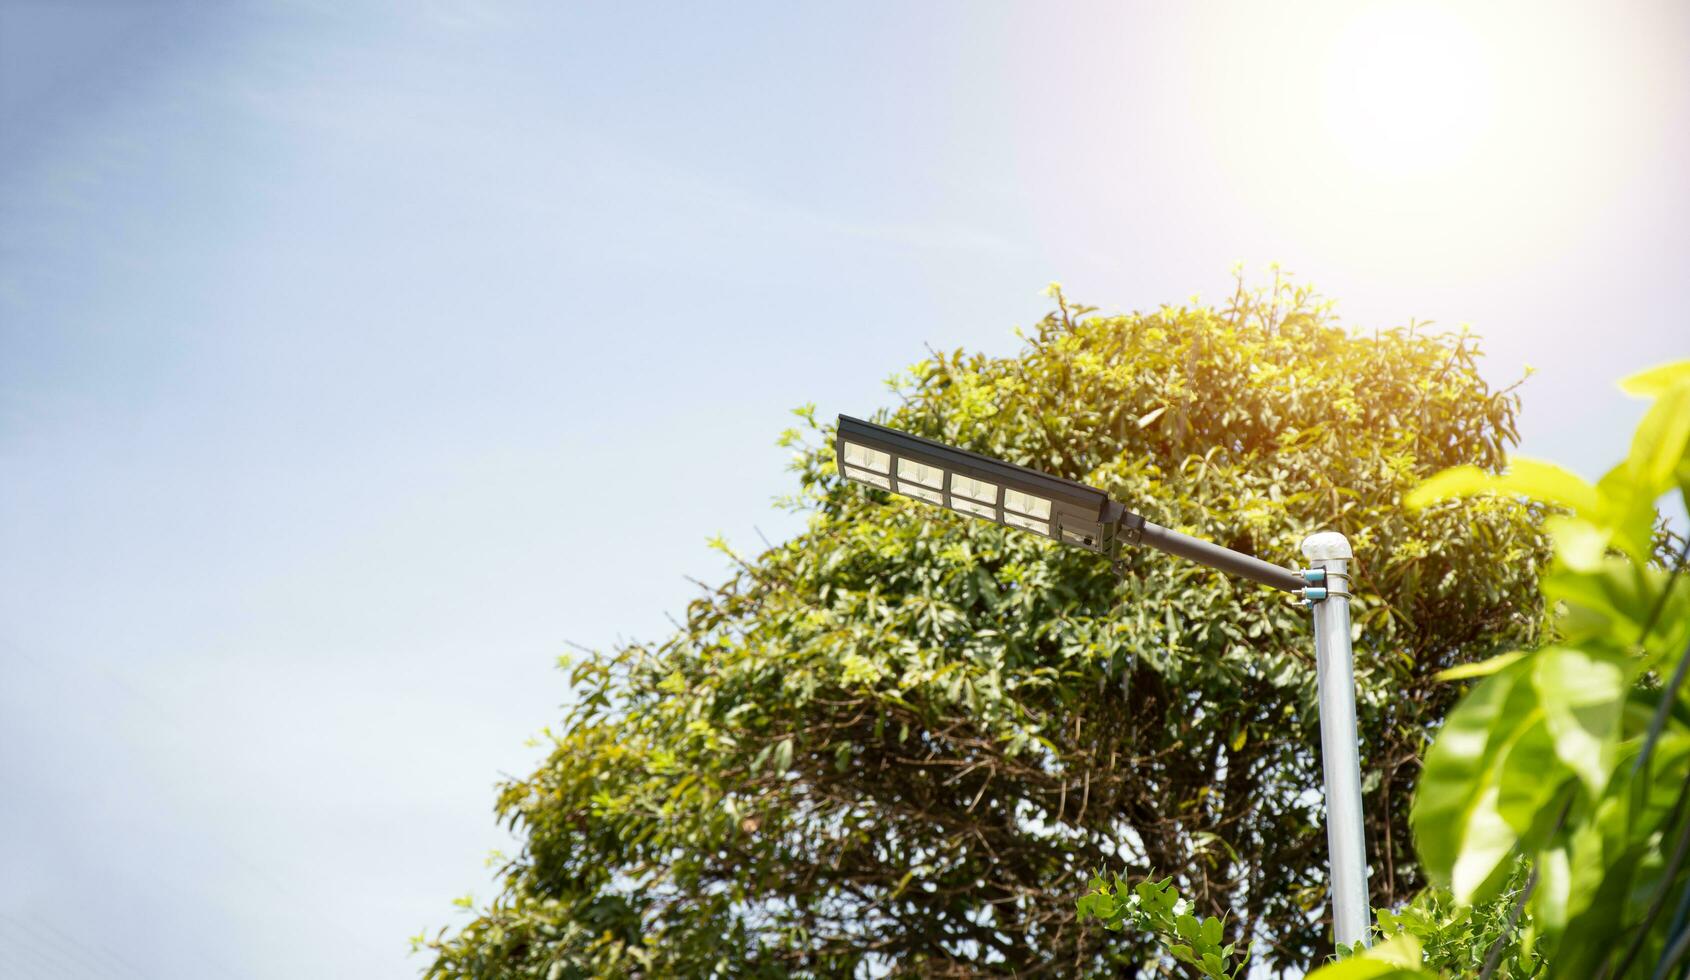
(903, 739)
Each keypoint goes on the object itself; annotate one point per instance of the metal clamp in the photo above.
(1314, 593)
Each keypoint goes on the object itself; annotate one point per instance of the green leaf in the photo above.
(1658, 380)
(1527, 477)
(1458, 830)
(1609, 605)
(1607, 880)
(1449, 484)
(1094, 905)
(1397, 958)
(1483, 668)
(1487, 838)
(1659, 459)
(1580, 544)
(1212, 931)
(1659, 446)
(1582, 696)
(1554, 888)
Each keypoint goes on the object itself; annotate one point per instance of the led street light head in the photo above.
(976, 485)
(1018, 497)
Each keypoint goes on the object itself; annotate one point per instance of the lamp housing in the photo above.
(977, 485)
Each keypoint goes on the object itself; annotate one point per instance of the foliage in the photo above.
(1396, 958)
(1157, 908)
(891, 743)
(1577, 754)
(1434, 936)
(1430, 936)
(1454, 939)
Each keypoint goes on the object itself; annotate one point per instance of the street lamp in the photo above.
(1075, 514)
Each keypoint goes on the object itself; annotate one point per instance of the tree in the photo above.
(900, 741)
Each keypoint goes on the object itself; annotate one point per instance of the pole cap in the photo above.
(1326, 544)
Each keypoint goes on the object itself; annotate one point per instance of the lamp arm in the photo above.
(1136, 530)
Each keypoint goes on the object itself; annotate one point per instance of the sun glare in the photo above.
(1428, 141)
(1409, 89)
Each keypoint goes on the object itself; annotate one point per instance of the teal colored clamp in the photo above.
(1316, 590)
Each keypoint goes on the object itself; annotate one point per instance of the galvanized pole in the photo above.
(1330, 552)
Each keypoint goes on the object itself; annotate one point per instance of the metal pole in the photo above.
(1339, 754)
(1213, 555)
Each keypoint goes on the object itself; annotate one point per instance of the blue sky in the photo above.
(354, 357)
